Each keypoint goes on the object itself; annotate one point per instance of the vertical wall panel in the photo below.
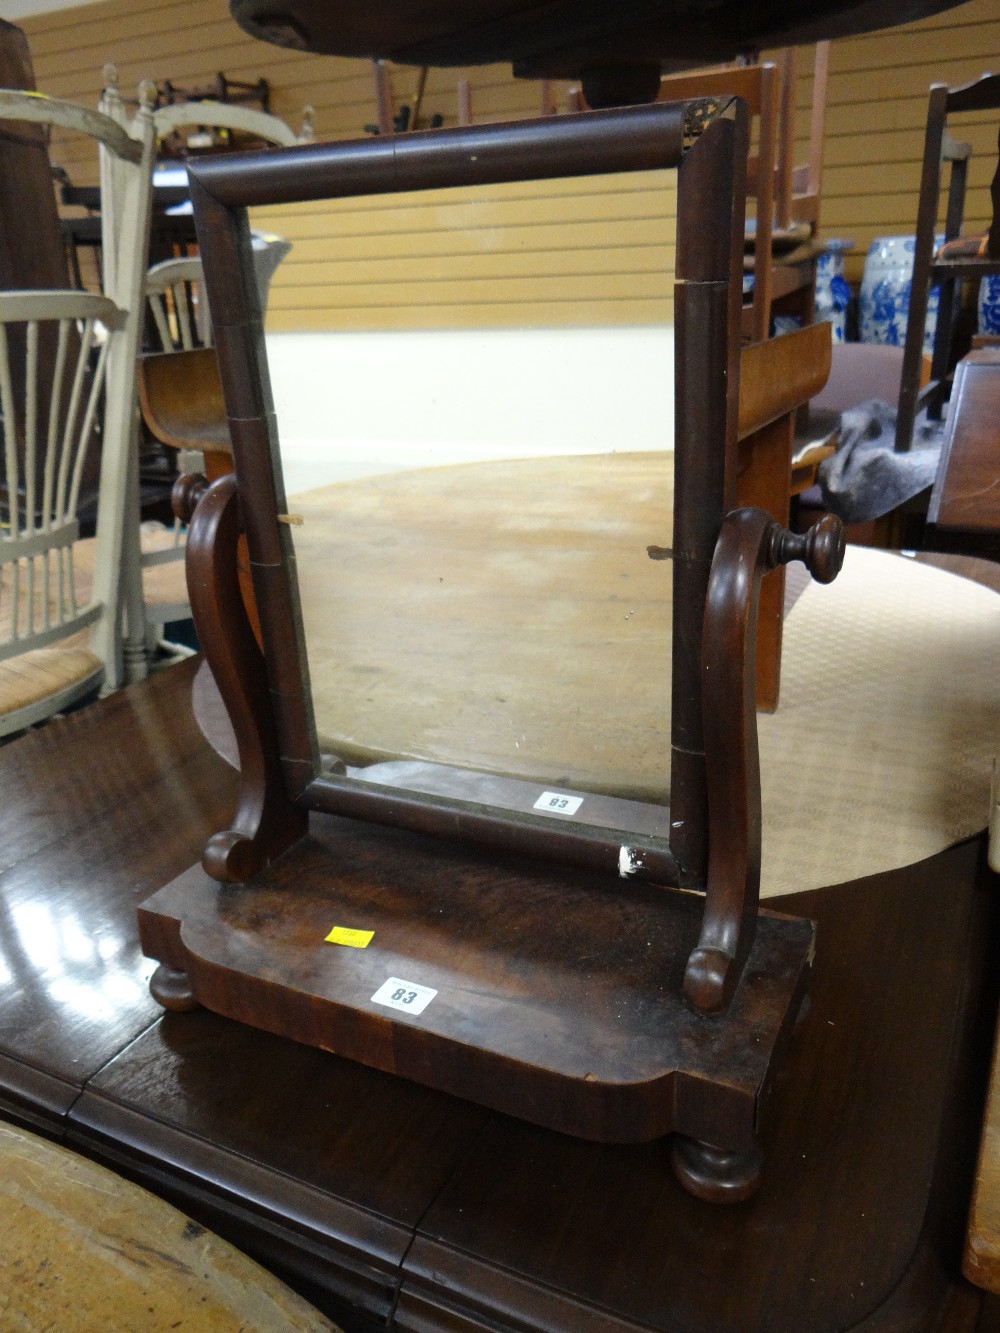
(563, 254)
(549, 253)
(877, 108)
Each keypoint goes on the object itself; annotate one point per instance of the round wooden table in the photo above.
(564, 41)
(506, 619)
(502, 616)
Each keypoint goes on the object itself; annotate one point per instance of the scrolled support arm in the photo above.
(266, 822)
(750, 544)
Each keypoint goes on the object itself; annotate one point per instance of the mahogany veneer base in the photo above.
(557, 992)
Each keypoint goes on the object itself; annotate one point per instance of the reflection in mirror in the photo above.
(486, 510)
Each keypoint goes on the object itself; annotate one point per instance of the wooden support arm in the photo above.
(750, 543)
(266, 822)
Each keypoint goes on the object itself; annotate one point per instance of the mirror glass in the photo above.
(481, 457)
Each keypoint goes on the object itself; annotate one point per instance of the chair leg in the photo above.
(135, 658)
(930, 180)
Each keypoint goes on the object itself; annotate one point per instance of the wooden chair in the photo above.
(759, 86)
(179, 313)
(154, 586)
(180, 396)
(786, 196)
(950, 272)
(60, 352)
(178, 306)
(798, 189)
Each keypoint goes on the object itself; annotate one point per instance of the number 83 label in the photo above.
(558, 802)
(407, 996)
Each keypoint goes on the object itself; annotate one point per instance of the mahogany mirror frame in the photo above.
(282, 774)
(695, 1054)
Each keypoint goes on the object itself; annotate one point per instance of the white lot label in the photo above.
(406, 996)
(558, 803)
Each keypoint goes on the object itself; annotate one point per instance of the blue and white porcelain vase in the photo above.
(885, 293)
(832, 291)
(989, 304)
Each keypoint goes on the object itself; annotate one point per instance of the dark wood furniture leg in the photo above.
(927, 207)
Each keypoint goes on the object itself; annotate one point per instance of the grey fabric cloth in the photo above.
(866, 478)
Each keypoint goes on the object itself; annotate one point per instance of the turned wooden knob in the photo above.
(186, 492)
(821, 549)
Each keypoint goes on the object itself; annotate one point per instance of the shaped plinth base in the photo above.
(549, 993)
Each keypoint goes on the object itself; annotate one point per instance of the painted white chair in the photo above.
(209, 115)
(177, 303)
(59, 635)
(181, 315)
(155, 589)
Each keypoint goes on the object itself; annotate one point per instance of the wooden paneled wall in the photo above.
(580, 252)
(877, 109)
(577, 253)
(572, 253)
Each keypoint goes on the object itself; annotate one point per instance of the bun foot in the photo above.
(171, 988)
(715, 1175)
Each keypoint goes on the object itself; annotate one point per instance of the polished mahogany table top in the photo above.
(563, 39)
(391, 1205)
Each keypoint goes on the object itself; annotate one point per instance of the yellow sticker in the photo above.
(354, 939)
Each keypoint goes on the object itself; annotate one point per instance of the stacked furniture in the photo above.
(955, 266)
